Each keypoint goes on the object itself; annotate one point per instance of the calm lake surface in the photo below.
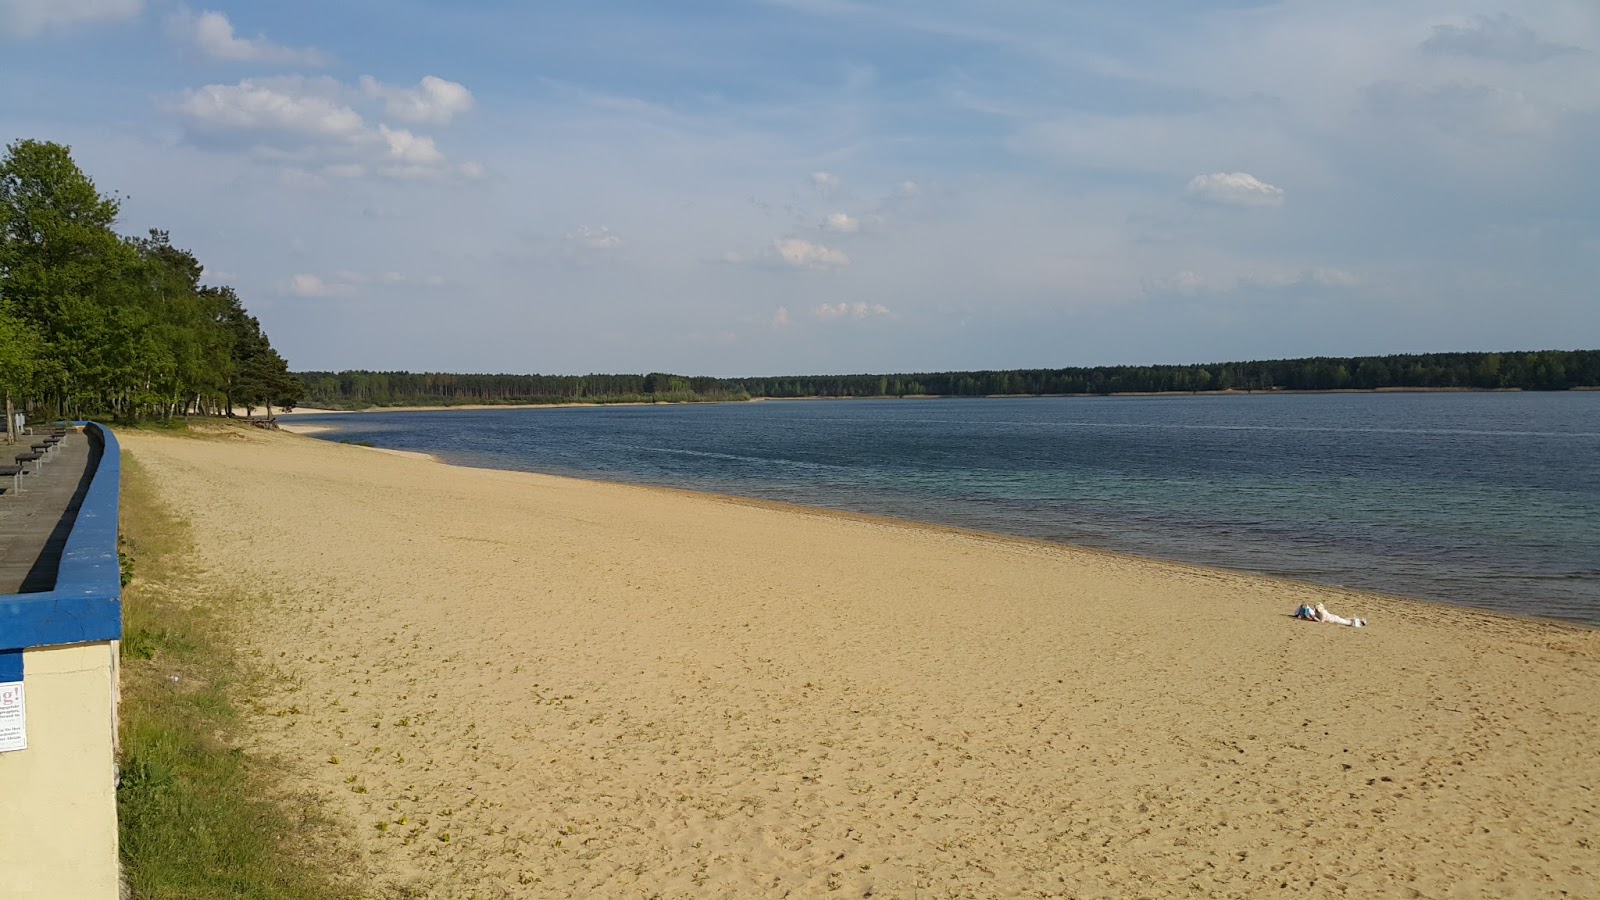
(1485, 500)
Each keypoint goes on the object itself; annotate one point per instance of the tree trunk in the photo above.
(11, 421)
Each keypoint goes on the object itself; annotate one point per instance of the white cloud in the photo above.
(1495, 37)
(1331, 277)
(345, 276)
(825, 180)
(212, 34)
(1235, 189)
(780, 319)
(26, 18)
(1319, 276)
(601, 238)
(853, 311)
(345, 282)
(804, 254)
(1225, 278)
(1186, 283)
(843, 223)
(294, 107)
(1461, 108)
(312, 286)
(308, 126)
(410, 149)
(1159, 143)
(434, 101)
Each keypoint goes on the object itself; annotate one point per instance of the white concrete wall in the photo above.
(58, 799)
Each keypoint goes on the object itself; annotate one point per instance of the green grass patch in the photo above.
(178, 424)
(199, 817)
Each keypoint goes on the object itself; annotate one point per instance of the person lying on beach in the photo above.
(1320, 613)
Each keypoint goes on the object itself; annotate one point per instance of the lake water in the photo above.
(1485, 500)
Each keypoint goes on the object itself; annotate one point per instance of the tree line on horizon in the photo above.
(93, 323)
(1537, 370)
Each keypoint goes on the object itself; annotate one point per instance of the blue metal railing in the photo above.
(86, 604)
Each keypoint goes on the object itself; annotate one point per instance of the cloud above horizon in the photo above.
(858, 311)
(597, 238)
(212, 35)
(843, 223)
(1235, 189)
(307, 125)
(1500, 37)
(804, 254)
(434, 101)
(346, 283)
(28, 18)
(1018, 185)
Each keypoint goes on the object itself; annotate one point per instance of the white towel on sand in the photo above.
(1324, 616)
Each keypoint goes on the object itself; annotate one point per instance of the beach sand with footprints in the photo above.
(516, 685)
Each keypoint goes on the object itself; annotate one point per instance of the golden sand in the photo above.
(543, 687)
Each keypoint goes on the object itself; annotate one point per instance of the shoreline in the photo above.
(883, 519)
(509, 683)
(311, 430)
(319, 411)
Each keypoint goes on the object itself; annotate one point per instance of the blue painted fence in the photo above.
(86, 605)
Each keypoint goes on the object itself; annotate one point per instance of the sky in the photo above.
(832, 186)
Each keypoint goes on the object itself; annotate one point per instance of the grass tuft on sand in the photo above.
(199, 817)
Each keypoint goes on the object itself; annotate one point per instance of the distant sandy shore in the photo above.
(315, 411)
(516, 685)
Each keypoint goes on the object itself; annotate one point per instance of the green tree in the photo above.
(61, 264)
(19, 356)
(114, 325)
(257, 375)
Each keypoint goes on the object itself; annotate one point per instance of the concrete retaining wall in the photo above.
(58, 809)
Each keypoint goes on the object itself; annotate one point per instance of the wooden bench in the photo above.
(16, 477)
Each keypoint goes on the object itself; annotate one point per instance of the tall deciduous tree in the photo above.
(19, 357)
(114, 325)
(59, 258)
(257, 374)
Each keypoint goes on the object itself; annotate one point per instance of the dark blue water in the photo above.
(1486, 500)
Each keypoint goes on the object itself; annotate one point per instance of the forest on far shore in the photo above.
(1535, 370)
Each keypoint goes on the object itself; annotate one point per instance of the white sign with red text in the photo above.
(13, 717)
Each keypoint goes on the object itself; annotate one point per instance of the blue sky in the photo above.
(809, 186)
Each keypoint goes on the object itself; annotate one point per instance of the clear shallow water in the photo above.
(1486, 500)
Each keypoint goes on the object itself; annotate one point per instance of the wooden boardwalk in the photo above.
(35, 523)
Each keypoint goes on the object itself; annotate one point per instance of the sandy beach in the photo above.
(303, 428)
(515, 685)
